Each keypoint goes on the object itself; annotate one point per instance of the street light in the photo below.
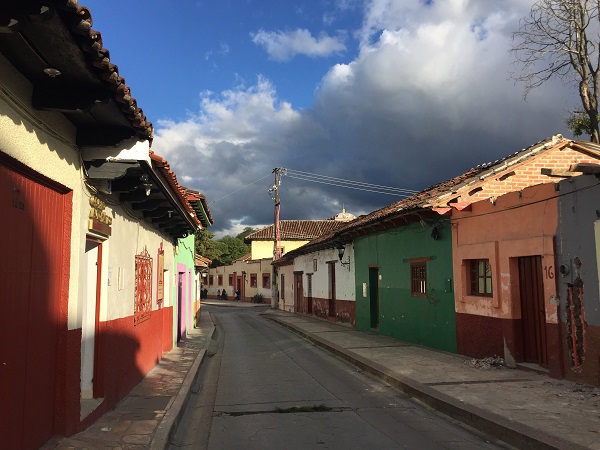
(341, 248)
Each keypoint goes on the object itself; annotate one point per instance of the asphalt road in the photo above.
(264, 387)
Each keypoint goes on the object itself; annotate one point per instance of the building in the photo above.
(92, 224)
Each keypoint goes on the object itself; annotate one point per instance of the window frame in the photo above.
(266, 280)
(253, 280)
(476, 278)
(418, 278)
(219, 280)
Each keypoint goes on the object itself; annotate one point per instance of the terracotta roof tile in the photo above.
(296, 230)
(169, 176)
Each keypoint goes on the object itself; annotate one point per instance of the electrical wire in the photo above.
(243, 187)
(349, 184)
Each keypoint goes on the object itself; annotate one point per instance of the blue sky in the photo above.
(403, 93)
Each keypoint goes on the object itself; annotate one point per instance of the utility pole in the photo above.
(274, 192)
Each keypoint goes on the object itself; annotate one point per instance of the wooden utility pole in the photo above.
(274, 191)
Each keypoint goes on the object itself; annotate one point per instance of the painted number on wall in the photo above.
(549, 271)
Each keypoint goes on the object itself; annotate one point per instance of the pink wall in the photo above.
(518, 224)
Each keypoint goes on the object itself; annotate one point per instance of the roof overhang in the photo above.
(52, 44)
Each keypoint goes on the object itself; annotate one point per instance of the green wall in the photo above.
(428, 321)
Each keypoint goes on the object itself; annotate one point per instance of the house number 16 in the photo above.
(549, 271)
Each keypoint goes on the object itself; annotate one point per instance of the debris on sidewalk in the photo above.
(491, 362)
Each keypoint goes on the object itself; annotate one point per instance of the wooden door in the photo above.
(309, 299)
(374, 296)
(332, 293)
(299, 293)
(33, 273)
(533, 311)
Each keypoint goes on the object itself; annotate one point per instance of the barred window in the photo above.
(253, 280)
(266, 280)
(143, 287)
(418, 279)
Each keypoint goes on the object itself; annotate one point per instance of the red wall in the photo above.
(126, 353)
(345, 310)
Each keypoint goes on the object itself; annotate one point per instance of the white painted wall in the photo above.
(44, 141)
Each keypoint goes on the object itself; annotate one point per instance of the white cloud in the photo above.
(283, 46)
(427, 97)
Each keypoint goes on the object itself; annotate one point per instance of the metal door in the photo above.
(533, 311)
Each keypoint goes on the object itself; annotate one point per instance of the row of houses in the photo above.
(501, 260)
(99, 279)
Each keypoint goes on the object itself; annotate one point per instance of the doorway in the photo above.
(332, 294)
(299, 292)
(309, 299)
(180, 303)
(374, 296)
(90, 320)
(533, 310)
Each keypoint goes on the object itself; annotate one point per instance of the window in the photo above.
(253, 282)
(220, 280)
(481, 277)
(230, 280)
(143, 287)
(211, 280)
(266, 280)
(282, 287)
(418, 279)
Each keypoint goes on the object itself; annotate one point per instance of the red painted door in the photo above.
(533, 311)
(32, 268)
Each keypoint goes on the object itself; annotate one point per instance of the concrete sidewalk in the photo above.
(524, 409)
(148, 416)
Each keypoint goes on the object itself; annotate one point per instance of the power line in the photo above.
(349, 184)
(238, 190)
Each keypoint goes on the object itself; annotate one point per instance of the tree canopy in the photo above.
(222, 251)
(559, 39)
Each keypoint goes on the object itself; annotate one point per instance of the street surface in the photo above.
(261, 386)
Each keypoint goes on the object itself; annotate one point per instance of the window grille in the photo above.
(143, 287)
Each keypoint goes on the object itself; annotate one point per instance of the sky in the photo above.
(399, 93)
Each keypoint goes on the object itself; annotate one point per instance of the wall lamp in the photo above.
(341, 248)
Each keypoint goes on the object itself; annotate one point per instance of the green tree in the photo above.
(559, 39)
(206, 246)
(246, 232)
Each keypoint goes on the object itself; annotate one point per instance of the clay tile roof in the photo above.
(199, 204)
(180, 192)
(423, 198)
(296, 230)
(78, 22)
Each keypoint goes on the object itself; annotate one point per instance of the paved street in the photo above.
(264, 387)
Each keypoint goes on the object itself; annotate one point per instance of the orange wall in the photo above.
(518, 224)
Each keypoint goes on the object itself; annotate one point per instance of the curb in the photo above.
(513, 433)
(168, 424)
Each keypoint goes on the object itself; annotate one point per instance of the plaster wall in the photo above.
(426, 320)
(129, 238)
(264, 249)
(578, 254)
(45, 142)
(344, 277)
(286, 289)
(236, 269)
(517, 224)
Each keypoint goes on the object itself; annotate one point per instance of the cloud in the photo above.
(283, 46)
(426, 97)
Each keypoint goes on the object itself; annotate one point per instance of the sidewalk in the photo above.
(147, 417)
(234, 304)
(522, 408)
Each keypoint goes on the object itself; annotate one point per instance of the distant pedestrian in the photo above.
(237, 295)
(218, 294)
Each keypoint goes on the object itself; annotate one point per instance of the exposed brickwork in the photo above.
(528, 173)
